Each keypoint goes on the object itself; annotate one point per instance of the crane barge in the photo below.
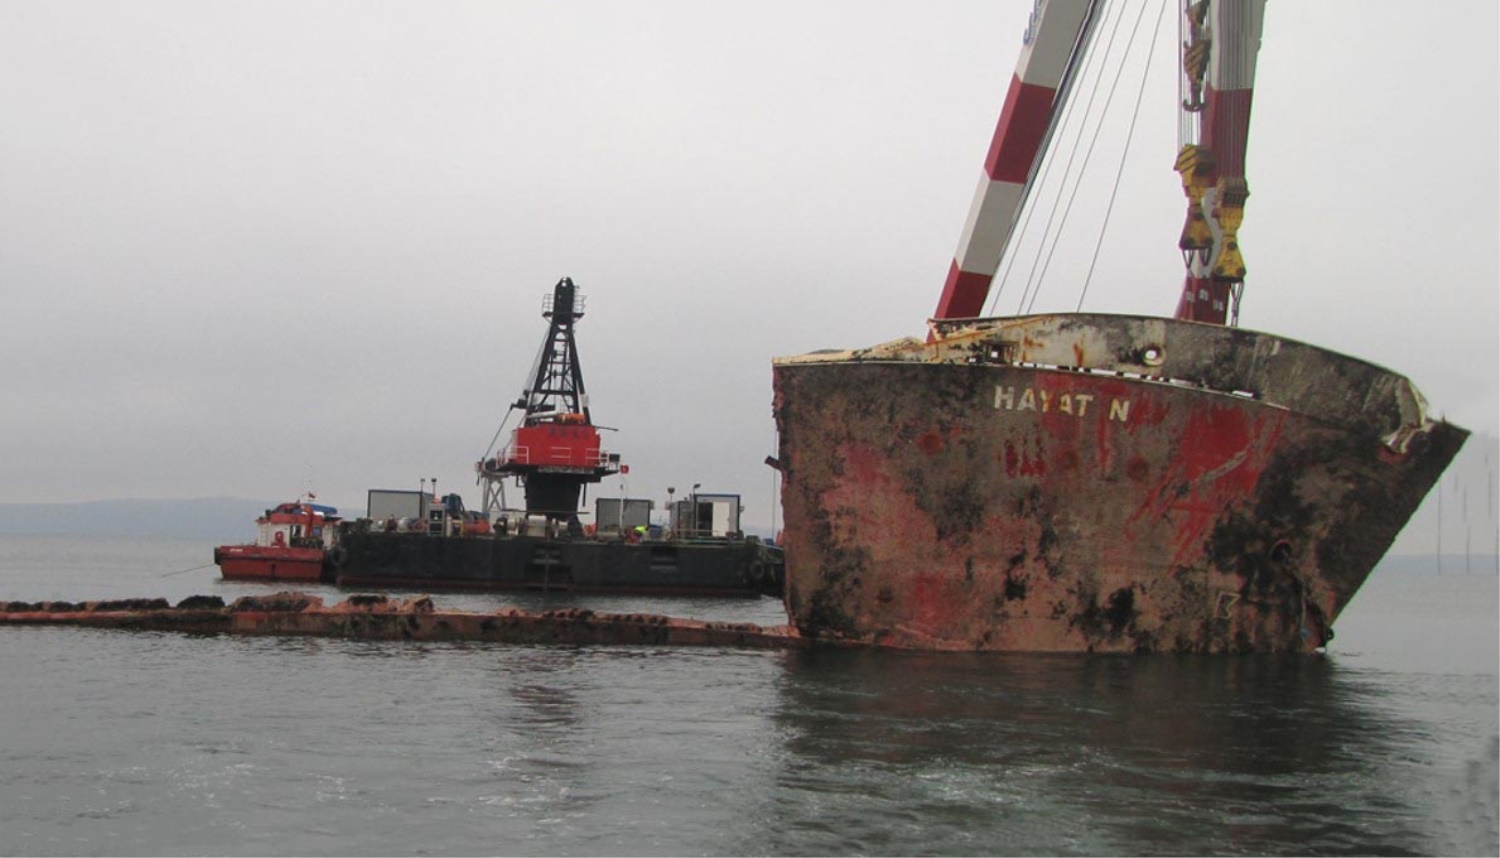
(554, 454)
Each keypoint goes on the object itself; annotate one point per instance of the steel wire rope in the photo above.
(1028, 204)
(504, 420)
(1088, 155)
(1070, 106)
(1239, 130)
(1030, 211)
(1010, 258)
(1120, 171)
(536, 366)
(1187, 128)
(1190, 119)
(1187, 118)
(1033, 285)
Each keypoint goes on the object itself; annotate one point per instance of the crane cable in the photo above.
(1050, 239)
(504, 420)
(1033, 279)
(1120, 171)
(1036, 182)
(1040, 171)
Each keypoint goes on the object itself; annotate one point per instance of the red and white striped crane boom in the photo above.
(1222, 38)
(1051, 50)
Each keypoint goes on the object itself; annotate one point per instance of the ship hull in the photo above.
(269, 563)
(1093, 484)
(677, 568)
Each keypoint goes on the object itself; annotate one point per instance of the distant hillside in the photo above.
(227, 519)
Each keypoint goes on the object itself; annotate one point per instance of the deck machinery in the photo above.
(555, 451)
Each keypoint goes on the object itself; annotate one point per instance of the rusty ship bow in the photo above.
(1078, 482)
(1093, 483)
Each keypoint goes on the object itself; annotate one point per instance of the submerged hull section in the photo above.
(1093, 483)
(418, 561)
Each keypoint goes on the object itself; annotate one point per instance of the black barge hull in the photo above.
(669, 568)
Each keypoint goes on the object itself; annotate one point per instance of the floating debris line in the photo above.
(379, 617)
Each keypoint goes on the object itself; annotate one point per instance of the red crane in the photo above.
(555, 451)
(1219, 52)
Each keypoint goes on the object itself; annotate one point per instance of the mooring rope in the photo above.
(180, 571)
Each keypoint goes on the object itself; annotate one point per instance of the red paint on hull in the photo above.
(269, 563)
(1085, 483)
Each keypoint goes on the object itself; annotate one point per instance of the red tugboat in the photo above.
(293, 542)
(1086, 482)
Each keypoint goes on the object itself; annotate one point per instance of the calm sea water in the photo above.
(115, 743)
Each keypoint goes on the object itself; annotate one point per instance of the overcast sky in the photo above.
(248, 249)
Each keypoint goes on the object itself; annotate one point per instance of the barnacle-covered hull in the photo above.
(1093, 483)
